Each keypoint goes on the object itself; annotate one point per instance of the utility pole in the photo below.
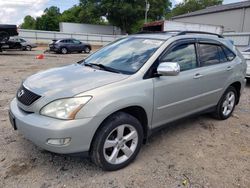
(146, 10)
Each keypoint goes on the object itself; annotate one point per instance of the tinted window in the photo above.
(223, 57)
(76, 42)
(230, 55)
(209, 54)
(183, 54)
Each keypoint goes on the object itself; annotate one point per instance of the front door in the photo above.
(178, 96)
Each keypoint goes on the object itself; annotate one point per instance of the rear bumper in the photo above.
(54, 49)
(39, 129)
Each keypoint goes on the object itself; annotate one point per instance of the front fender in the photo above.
(112, 98)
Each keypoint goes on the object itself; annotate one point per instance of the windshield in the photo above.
(126, 55)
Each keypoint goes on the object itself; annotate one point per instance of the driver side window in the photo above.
(184, 55)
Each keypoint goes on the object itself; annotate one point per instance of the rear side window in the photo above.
(223, 57)
(184, 55)
(209, 54)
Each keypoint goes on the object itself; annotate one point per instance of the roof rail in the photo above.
(157, 32)
(199, 32)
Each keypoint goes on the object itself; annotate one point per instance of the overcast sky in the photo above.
(13, 11)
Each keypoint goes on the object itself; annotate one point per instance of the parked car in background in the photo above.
(19, 43)
(108, 104)
(246, 54)
(6, 31)
(65, 46)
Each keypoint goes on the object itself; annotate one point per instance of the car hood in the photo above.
(70, 80)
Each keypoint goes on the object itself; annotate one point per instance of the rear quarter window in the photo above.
(230, 55)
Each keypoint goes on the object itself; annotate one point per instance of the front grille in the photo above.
(26, 96)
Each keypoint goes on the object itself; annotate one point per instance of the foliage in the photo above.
(49, 21)
(29, 23)
(126, 14)
(192, 5)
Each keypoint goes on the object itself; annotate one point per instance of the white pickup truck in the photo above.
(246, 54)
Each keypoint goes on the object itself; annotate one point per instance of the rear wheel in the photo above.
(118, 142)
(64, 50)
(226, 105)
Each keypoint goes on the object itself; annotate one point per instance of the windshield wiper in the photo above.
(102, 67)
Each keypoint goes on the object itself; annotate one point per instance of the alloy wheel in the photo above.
(120, 144)
(228, 104)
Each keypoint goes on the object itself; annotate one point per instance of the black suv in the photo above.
(65, 46)
(6, 31)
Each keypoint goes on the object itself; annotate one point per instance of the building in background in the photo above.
(89, 29)
(235, 17)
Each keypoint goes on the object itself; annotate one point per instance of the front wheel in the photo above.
(118, 142)
(28, 48)
(226, 105)
(87, 50)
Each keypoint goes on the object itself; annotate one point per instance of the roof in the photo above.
(216, 8)
(184, 34)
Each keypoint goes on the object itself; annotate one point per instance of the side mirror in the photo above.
(168, 69)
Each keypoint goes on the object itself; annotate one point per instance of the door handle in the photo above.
(229, 68)
(198, 75)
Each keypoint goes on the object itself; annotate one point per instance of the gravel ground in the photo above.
(196, 152)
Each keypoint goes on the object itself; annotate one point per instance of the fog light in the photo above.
(58, 141)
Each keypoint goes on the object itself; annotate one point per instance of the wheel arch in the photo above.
(237, 86)
(136, 111)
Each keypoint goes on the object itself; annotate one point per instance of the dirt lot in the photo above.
(197, 152)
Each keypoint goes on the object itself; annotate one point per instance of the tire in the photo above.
(64, 50)
(4, 36)
(116, 143)
(28, 48)
(87, 50)
(226, 105)
(79, 52)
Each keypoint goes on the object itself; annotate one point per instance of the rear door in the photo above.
(77, 45)
(217, 64)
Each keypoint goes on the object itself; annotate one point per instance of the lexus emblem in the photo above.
(20, 93)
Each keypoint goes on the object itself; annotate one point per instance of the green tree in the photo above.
(193, 5)
(90, 12)
(127, 14)
(71, 15)
(29, 23)
(49, 21)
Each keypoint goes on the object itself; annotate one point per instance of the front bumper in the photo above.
(39, 129)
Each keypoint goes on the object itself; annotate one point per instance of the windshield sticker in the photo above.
(152, 42)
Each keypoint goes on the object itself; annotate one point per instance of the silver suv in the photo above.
(107, 105)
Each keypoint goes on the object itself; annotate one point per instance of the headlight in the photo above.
(65, 108)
